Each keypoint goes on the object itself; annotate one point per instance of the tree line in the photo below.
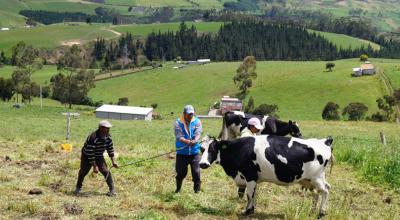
(52, 17)
(236, 40)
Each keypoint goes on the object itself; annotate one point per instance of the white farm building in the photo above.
(124, 112)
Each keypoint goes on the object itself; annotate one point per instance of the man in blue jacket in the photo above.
(188, 131)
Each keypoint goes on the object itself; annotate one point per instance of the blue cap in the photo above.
(188, 109)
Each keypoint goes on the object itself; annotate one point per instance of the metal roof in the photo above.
(367, 66)
(124, 109)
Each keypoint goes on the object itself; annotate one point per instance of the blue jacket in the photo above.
(191, 132)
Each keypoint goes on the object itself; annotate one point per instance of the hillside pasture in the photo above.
(145, 190)
(53, 35)
(344, 41)
(143, 30)
(300, 89)
(40, 76)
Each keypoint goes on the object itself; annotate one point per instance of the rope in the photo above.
(146, 159)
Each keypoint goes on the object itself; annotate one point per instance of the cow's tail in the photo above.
(221, 133)
(332, 160)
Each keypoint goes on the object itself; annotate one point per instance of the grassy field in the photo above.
(393, 73)
(144, 29)
(41, 76)
(53, 35)
(344, 41)
(300, 89)
(145, 191)
(383, 14)
(200, 4)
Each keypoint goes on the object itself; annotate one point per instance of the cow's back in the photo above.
(285, 160)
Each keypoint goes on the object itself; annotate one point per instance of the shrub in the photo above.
(265, 109)
(123, 101)
(378, 117)
(250, 105)
(355, 111)
(154, 105)
(331, 111)
(364, 57)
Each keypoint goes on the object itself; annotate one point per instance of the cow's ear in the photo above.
(290, 122)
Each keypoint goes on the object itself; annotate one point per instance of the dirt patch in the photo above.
(341, 3)
(106, 217)
(35, 191)
(56, 186)
(33, 164)
(388, 200)
(73, 209)
(50, 216)
(71, 43)
(115, 32)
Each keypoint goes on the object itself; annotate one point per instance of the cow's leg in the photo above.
(241, 191)
(322, 188)
(315, 200)
(241, 184)
(251, 197)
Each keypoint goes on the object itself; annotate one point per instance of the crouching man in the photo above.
(92, 156)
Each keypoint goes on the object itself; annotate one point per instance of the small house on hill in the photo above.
(230, 104)
(368, 69)
(124, 112)
(365, 69)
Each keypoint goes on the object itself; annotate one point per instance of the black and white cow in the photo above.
(234, 122)
(270, 158)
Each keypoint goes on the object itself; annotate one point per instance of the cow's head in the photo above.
(294, 129)
(210, 154)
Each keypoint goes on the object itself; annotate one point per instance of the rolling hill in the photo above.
(383, 14)
(300, 89)
(52, 36)
(363, 184)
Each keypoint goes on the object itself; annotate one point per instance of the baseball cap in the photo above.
(256, 123)
(188, 109)
(105, 124)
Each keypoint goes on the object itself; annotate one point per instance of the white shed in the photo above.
(124, 112)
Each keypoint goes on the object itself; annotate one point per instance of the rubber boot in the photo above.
(178, 186)
(197, 187)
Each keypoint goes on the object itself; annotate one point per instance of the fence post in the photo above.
(383, 138)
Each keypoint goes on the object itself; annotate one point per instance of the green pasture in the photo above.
(144, 29)
(40, 76)
(53, 35)
(344, 41)
(364, 177)
(300, 89)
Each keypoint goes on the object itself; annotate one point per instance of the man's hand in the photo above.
(95, 169)
(114, 164)
(192, 142)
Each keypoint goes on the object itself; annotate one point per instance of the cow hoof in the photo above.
(249, 211)
(321, 215)
(241, 192)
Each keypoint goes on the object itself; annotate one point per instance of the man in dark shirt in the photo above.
(92, 156)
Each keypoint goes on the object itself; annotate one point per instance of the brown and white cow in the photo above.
(269, 158)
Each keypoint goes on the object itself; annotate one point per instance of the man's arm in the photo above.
(110, 151)
(89, 150)
(198, 130)
(179, 135)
